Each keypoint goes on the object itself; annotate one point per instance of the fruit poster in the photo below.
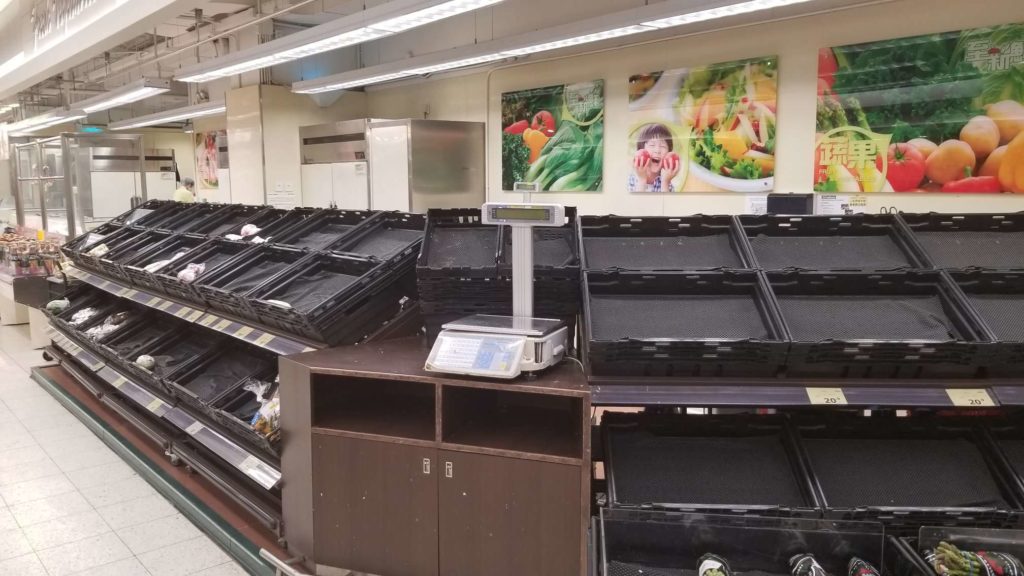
(554, 136)
(936, 113)
(704, 129)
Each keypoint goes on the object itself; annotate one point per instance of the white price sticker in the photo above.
(970, 397)
(194, 428)
(826, 396)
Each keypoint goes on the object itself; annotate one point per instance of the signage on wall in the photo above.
(704, 129)
(554, 136)
(936, 113)
(49, 16)
(211, 156)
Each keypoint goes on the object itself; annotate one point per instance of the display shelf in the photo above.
(1009, 395)
(263, 473)
(75, 350)
(218, 322)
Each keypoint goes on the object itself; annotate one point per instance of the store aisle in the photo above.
(69, 505)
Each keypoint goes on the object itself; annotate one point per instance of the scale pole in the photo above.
(522, 272)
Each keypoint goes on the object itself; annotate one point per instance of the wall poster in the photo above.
(936, 113)
(704, 129)
(554, 136)
(211, 155)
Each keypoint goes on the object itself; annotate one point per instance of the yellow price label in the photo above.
(970, 397)
(243, 331)
(153, 301)
(124, 292)
(194, 315)
(264, 339)
(164, 305)
(308, 349)
(224, 323)
(827, 396)
(119, 382)
(207, 320)
(194, 428)
(182, 312)
(155, 405)
(131, 294)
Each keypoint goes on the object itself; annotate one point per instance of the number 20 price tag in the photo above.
(970, 398)
(826, 396)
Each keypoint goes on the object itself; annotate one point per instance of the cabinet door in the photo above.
(508, 517)
(351, 185)
(375, 506)
(317, 185)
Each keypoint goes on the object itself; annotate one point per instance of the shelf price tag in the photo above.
(153, 301)
(308, 349)
(194, 315)
(124, 292)
(243, 331)
(827, 396)
(155, 405)
(164, 305)
(207, 320)
(119, 382)
(970, 397)
(264, 339)
(224, 323)
(194, 428)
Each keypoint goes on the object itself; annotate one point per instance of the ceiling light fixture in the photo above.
(172, 115)
(47, 120)
(131, 92)
(668, 14)
(370, 24)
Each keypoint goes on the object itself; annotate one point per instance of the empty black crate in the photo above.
(231, 217)
(212, 255)
(681, 324)
(265, 219)
(705, 464)
(998, 301)
(165, 214)
(905, 472)
(284, 223)
(117, 317)
(88, 258)
(141, 269)
(85, 242)
(150, 209)
(456, 245)
(90, 302)
(127, 344)
(220, 371)
(172, 352)
(110, 263)
(657, 543)
(961, 241)
(324, 229)
(662, 243)
(185, 220)
(387, 236)
(333, 298)
(885, 325)
(237, 409)
(861, 242)
(227, 287)
(1007, 437)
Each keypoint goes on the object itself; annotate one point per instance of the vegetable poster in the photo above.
(704, 129)
(937, 113)
(554, 136)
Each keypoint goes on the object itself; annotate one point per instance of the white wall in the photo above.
(181, 143)
(796, 42)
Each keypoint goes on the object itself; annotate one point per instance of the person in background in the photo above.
(186, 192)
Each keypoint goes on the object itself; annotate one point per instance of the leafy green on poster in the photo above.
(554, 136)
(935, 113)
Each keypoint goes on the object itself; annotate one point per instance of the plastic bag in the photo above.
(110, 324)
(233, 237)
(257, 240)
(250, 230)
(83, 315)
(98, 251)
(191, 272)
(146, 362)
(267, 419)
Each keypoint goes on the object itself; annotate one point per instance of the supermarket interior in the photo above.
(512, 287)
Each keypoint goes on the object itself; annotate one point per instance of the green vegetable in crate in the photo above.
(57, 306)
(805, 565)
(713, 565)
(949, 560)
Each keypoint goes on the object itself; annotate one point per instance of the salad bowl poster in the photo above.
(936, 113)
(706, 129)
(554, 136)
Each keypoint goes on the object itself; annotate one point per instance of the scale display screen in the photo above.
(529, 214)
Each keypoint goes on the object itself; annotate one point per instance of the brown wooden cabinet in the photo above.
(393, 471)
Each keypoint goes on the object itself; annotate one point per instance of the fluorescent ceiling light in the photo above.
(168, 116)
(353, 84)
(721, 12)
(370, 24)
(577, 40)
(471, 61)
(46, 120)
(131, 92)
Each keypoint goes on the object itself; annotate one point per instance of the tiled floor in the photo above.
(69, 505)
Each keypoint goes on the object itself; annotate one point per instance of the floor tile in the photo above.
(74, 430)
(158, 534)
(15, 441)
(79, 443)
(126, 567)
(134, 512)
(84, 554)
(65, 530)
(21, 456)
(27, 565)
(36, 489)
(7, 521)
(28, 471)
(119, 491)
(184, 558)
(72, 461)
(229, 569)
(55, 420)
(38, 511)
(13, 544)
(102, 474)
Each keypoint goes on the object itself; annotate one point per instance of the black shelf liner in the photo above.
(222, 374)
(884, 317)
(828, 252)
(315, 289)
(676, 316)
(973, 249)
(322, 236)
(260, 272)
(1003, 313)
(384, 242)
(661, 253)
(455, 247)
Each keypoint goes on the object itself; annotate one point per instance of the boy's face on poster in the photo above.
(657, 148)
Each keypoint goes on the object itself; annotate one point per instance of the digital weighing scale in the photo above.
(506, 346)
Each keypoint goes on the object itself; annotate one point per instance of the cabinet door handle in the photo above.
(449, 471)
(426, 466)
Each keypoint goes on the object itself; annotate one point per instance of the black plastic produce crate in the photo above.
(229, 218)
(81, 298)
(1006, 437)
(902, 559)
(174, 353)
(912, 324)
(997, 299)
(111, 262)
(324, 229)
(964, 241)
(151, 210)
(227, 287)
(556, 251)
(706, 464)
(457, 245)
(657, 543)
(113, 241)
(284, 222)
(213, 254)
(236, 411)
(681, 324)
(191, 217)
(265, 219)
(860, 242)
(333, 298)
(388, 236)
(74, 248)
(663, 243)
(92, 330)
(159, 218)
(906, 472)
(969, 540)
(126, 345)
(171, 249)
(219, 371)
